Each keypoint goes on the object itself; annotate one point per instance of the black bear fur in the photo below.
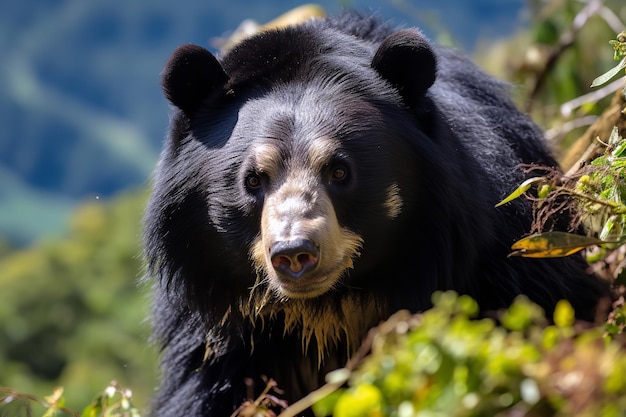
(423, 143)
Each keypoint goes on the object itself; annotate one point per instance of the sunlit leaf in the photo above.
(55, 402)
(92, 410)
(615, 139)
(56, 397)
(618, 162)
(521, 190)
(599, 161)
(607, 76)
(564, 314)
(608, 227)
(552, 245)
(362, 400)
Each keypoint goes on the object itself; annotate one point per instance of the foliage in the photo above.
(448, 362)
(72, 311)
(16, 403)
(597, 187)
(599, 191)
(619, 46)
(443, 362)
(114, 401)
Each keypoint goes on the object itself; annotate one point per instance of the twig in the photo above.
(610, 204)
(557, 132)
(586, 147)
(8, 395)
(611, 19)
(568, 107)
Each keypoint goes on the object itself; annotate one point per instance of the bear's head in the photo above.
(290, 173)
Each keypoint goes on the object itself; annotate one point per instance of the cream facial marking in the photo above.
(267, 159)
(321, 153)
(393, 203)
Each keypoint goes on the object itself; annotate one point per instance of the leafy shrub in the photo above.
(447, 362)
(114, 401)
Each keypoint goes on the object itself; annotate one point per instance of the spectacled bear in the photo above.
(318, 178)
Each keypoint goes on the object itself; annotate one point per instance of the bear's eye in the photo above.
(253, 181)
(340, 173)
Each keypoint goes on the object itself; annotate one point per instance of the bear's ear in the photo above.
(190, 75)
(407, 61)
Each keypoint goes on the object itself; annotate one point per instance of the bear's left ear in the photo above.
(191, 74)
(407, 61)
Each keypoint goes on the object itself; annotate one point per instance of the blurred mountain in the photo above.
(81, 113)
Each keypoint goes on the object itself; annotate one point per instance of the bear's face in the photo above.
(283, 182)
(317, 179)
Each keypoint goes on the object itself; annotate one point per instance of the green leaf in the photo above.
(521, 314)
(552, 245)
(615, 139)
(564, 314)
(521, 190)
(618, 163)
(95, 409)
(608, 227)
(607, 76)
(91, 410)
(362, 400)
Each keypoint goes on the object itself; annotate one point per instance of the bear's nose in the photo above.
(294, 257)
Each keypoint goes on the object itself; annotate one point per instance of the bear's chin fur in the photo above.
(328, 322)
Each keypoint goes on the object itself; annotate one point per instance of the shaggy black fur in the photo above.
(407, 113)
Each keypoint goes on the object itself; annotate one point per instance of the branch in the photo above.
(558, 132)
(611, 19)
(587, 147)
(594, 96)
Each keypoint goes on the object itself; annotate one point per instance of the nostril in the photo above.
(282, 262)
(294, 257)
(306, 258)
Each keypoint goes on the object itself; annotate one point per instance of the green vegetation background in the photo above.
(72, 310)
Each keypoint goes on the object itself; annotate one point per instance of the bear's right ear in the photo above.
(406, 59)
(190, 75)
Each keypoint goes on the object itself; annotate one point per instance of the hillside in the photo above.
(81, 111)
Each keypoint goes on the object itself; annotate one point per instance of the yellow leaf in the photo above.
(564, 314)
(552, 245)
(520, 190)
(55, 402)
(57, 395)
